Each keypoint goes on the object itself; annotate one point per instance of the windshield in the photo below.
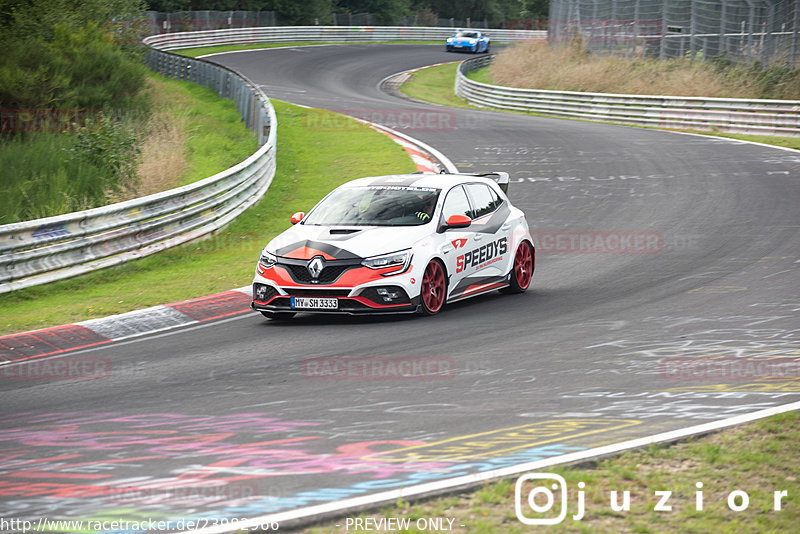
(471, 35)
(380, 205)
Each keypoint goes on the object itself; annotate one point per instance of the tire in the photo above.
(278, 316)
(433, 291)
(448, 48)
(522, 270)
(487, 49)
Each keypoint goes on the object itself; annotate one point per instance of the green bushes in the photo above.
(72, 100)
(40, 177)
(767, 82)
(77, 69)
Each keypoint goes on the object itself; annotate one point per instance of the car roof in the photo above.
(438, 181)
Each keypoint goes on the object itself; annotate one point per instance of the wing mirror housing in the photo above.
(297, 217)
(457, 221)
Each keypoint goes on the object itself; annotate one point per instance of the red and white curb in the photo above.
(424, 162)
(427, 158)
(56, 340)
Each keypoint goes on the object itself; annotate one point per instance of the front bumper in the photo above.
(377, 299)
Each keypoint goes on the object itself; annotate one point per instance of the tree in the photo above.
(535, 9)
(62, 54)
(385, 11)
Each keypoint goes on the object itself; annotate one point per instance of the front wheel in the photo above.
(434, 286)
(522, 271)
(278, 316)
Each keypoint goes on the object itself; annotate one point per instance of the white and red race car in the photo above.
(397, 244)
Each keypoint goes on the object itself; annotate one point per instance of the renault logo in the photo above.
(315, 267)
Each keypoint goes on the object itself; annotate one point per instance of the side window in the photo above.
(456, 203)
(485, 200)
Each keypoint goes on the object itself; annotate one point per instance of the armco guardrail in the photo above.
(44, 250)
(339, 34)
(766, 117)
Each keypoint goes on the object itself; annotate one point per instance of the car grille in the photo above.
(329, 274)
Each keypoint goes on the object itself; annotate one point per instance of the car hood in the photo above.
(345, 242)
(464, 40)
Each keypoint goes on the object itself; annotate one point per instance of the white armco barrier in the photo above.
(734, 115)
(326, 34)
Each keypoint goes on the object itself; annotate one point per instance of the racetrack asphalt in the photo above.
(662, 298)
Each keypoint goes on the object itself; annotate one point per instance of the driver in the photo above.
(428, 202)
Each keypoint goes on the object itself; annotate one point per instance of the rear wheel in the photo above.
(522, 271)
(278, 316)
(434, 286)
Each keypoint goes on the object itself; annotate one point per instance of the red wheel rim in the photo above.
(523, 265)
(433, 287)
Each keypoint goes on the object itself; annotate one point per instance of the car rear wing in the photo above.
(500, 177)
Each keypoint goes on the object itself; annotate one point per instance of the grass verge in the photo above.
(311, 161)
(188, 133)
(215, 136)
(759, 459)
(217, 49)
(435, 85)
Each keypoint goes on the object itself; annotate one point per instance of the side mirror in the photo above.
(297, 217)
(458, 221)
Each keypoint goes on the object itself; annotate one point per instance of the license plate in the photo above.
(315, 303)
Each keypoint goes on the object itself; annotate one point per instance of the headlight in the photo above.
(267, 259)
(401, 260)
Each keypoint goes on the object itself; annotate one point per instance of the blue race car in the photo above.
(468, 40)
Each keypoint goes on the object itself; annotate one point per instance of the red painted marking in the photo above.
(350, 278)
(52, 474)
(27, 345)
(117, 461)
(214, 306)
(371, 304)
(282, 441)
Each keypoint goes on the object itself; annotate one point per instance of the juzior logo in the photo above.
(480, 255)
